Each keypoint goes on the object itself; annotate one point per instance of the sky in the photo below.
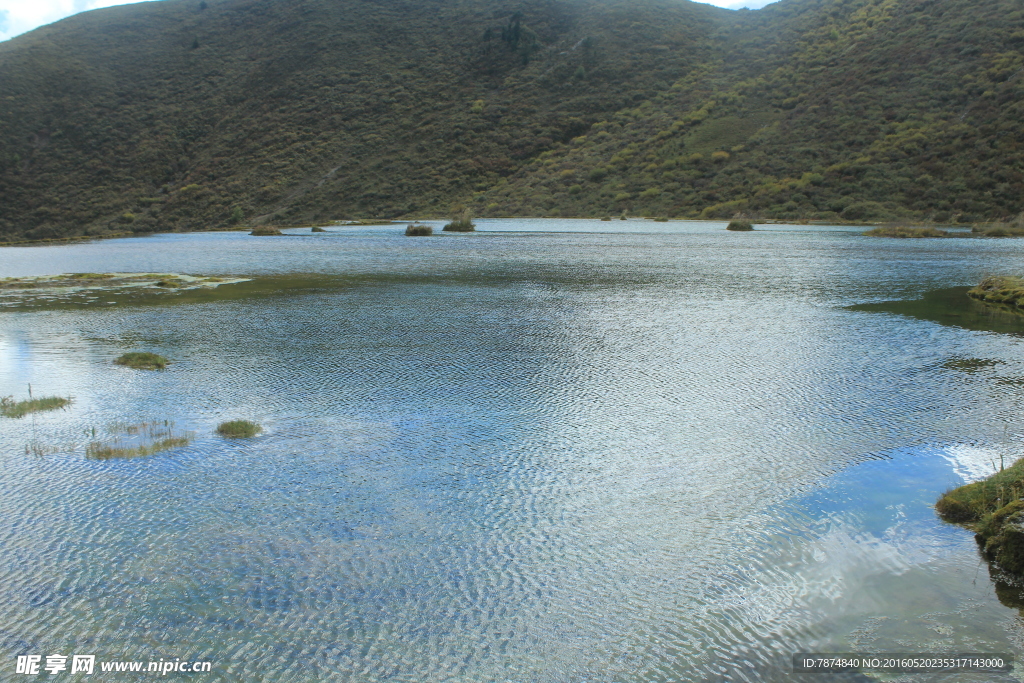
(19, 16)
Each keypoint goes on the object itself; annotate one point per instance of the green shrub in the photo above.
(317, 230)
(740, 226)
(142, 360)
(239, 429)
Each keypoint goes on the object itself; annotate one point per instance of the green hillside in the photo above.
(191, 114)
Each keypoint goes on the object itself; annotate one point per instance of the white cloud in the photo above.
(19, 16)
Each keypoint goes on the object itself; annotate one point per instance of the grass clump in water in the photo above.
(139, 440)
(11, 408)
(265, 232)
(1000, 289)
(317, 230)
(462, 223)
(993, 509)
(740, 226)
(418, 230)
(239, 429)
(143, 360)
(905, 231)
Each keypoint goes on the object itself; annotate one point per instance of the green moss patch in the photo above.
(142, 360)
(1000, 289)
(239, 429)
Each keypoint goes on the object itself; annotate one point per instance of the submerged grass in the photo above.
(993, 509)
(143, 360)
(11, 408)
(139, 440)
(239, 429)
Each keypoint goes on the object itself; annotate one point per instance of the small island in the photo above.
(740, 226)
(418, 230)
(461, 223)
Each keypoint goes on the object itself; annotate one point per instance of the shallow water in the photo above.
(552, 450)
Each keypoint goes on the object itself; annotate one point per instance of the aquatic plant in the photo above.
(149, 438)
(993, 509)
(239, 429)
(317, 230)
(419, 230)
(265, 232)
(142, 360)
(461, 223)
(740, 226)
(905, 231)
(11, 408)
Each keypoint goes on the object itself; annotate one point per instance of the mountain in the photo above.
(194, 114)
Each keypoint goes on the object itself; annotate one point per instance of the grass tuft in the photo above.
(143, 360)
(317, 230)
(11, 408)
(239, 429)
(418, 230)
(463, 223)
(266, 232)
(740, 226)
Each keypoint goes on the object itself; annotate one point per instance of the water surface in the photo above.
(551, 450)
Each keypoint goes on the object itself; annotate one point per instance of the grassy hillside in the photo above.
(194, 114)
(823, 109)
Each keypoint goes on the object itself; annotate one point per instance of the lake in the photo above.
(551, 451)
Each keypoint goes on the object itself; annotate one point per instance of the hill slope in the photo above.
(190, 114)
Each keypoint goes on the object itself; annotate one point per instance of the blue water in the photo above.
(552, 450)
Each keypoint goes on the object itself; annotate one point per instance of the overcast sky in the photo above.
(18, 16)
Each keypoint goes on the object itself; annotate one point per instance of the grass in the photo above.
(317, 230)
(11, 408)
(463, 223)
(418, 230)
(740, 226)
(265, 232)
(905, 231)
(142, 360)
(1000, 289)
(239, 429)
(993, 509)
(139, 440)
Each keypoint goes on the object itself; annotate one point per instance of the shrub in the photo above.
(142, 360)
(239, 429)
(740, 226)
(419, 230)
(266, 232)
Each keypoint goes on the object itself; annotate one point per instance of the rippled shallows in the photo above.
(549, 451)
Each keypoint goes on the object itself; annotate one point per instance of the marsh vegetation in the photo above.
(740, 226)
(142, 360)
(993, 509)
(139, 440)
(461, 223)
(1000, 289)
(239, 429)
(418, 230)
(11, 408)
